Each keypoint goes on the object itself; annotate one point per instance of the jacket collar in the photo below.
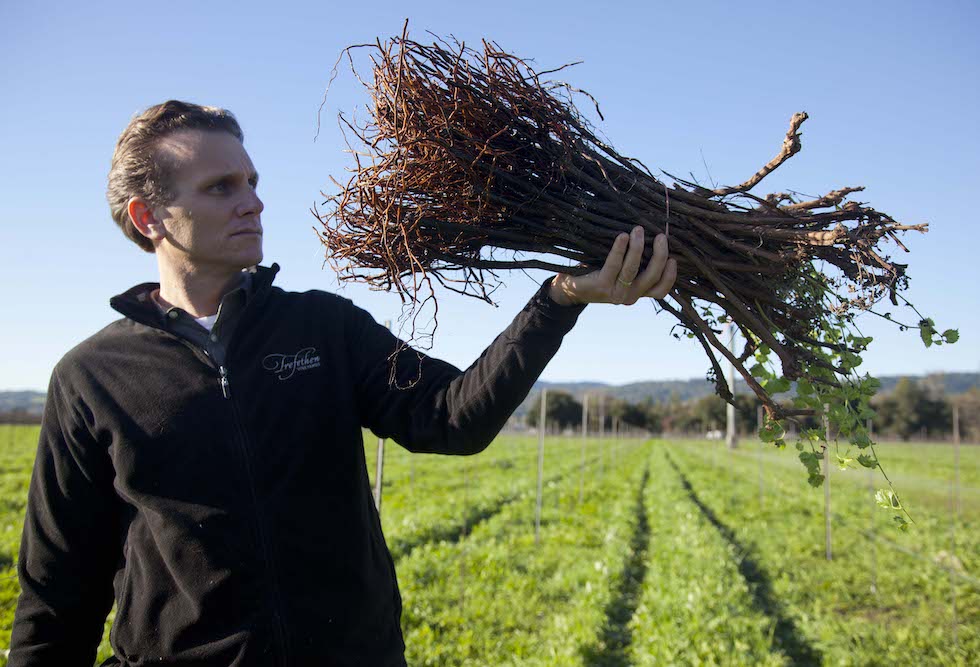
(136, 304)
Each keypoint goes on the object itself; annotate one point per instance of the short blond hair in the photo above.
(139, 170)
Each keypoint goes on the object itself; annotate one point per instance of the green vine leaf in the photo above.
(860, 438)
(811, 434)
(926, 330)
(868, 461)
(887, 499)
(771, 431)
(777, 386)
(811, 460)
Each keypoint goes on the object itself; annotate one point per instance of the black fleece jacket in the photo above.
(227, 510)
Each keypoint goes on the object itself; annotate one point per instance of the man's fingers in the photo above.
(634, 255)
(623, 286)
(655, 267)
(666, 282)
(617, 281)
(614, 260)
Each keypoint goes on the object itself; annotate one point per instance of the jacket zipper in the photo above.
(270, 559)
(242, 441)
(225, 384)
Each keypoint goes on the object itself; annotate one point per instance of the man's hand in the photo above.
(617, 281)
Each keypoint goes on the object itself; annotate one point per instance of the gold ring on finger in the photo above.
(624, 283)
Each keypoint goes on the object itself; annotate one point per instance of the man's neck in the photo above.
(197, 290)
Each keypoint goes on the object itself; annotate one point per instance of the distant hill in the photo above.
(657, 391)
(660, 391)
(31, 402)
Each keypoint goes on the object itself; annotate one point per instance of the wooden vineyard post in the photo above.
(585, 435)
(602, 431)
(826, 483)
(759, 416)
(871, 521)
(379, 468)
(954, 518)
(956, 459)
(537, 505)
(615, 436)
(731, 433)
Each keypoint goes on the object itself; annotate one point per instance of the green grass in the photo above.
(696, 607)
(497, 598)
(664, 552)
(17, 447)
(907, 618)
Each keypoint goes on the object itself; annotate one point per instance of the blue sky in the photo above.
(890, 88)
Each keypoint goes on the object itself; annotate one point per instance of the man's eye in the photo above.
(219, 187)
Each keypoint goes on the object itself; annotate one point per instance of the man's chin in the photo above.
(252, 259)
(245, 263)
(222, 260)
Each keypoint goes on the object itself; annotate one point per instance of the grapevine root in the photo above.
(472, 162)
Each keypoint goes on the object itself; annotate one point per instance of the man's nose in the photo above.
(250, 205)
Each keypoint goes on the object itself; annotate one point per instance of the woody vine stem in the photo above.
(471, 163)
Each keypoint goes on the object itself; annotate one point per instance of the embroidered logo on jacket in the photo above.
(286, 365)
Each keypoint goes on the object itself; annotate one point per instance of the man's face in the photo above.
(213, 221)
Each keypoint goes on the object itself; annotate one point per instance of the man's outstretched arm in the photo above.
(427, 405)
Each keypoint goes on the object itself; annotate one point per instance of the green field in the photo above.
(663, 552)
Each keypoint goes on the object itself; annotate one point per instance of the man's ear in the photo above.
(141, 215)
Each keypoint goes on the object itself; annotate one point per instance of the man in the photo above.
(200, 460)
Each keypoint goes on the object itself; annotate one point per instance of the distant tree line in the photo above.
(912, 410)
(19, 416)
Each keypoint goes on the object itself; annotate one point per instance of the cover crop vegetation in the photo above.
(669, 557)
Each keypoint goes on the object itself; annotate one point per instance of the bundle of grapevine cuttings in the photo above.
(471, 163)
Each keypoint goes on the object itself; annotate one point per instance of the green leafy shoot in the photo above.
(832, 400)
(811, 460)
(868, 461)
(887, 499)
